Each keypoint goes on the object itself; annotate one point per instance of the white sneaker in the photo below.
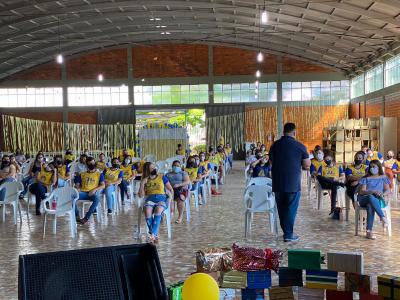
(385, 222)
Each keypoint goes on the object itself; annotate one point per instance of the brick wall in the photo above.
(87, 117)
(374, 110)
(392, 109)
(354, 111)
(49, 71)
(170, 61)
(111, 63)
(291, 65)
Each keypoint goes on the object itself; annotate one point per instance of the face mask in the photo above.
(5, 163)
(115, 166)
(374, 170)
(91, 166)
(197, 161)
(262, 149)
(202, 158)
(320, 156)
(154, 172)
(191, 164)
(390, 156)
(127, 161)
(358, 162)
(176, 169)
(328, 161)
(59, 162)
(371, 154)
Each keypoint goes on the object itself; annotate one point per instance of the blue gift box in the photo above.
(253, 294)
(259, 279)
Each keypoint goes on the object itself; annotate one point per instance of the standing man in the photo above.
(288, 157)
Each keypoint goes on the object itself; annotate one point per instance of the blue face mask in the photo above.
(176, 169)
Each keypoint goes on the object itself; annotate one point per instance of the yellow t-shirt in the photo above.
(155, 186)
(101, 166)
(46, 176)
(218, 159)
(180, 152)
(69, 157)
(359, 173)
(89, 181)
(221, 140)
(317, 164)
(111, 176)
(229, 150)
(330, 172)
(204, 164)
(192, 172)
(127, 171)
(62, 171)
(390, 163)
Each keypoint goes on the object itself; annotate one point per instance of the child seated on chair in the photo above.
(153, 186)
(261, 167)
(180, 181)
(129, 171)
(330, 177)
(391, 167)
(113, 177)
(373, 187)
(354, 173)
(317, 161)
(194, 173)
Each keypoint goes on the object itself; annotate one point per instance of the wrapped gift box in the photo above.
(364, 296)
(227, 294)
(259, 279)
(214, 260)
(311, 294)
(304, 259)
(389, 286)
(354, 282)
(351, 262)
(338, 295)
(290, 277)
(175, 291)
(281, 293)
(321, 279)
(253, 294)
(233, 280)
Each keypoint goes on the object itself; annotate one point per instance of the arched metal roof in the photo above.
(342, 34)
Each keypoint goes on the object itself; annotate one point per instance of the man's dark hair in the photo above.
(289, 128)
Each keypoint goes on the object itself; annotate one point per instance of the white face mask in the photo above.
(127, 161)
(374, 170)
(371, 154)
(320, 156)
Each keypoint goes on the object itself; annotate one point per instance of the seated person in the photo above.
(36, 165)
(63, 171)
(228, 151)
(373, 155)
(206, 167)
(391, 166)
(101, 164)
(373, 188)
(123, 155)
(113, 177)
(153, 186)
(14, 162)
(219, 160)
(7, 174)
(180, 150)
(354, 173)
(180, 181)
(20, 157)
(81, 166)
(89, 184)
(194, 173)
(317, 161)
(129, 173)
(262, 167)
(263, 149)
(69, 157)
(45, 178)
(330, 177)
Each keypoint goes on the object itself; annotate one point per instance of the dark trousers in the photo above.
(287, 204)
(332, 185)
(123, 186)
(39, 190)
(351, 190)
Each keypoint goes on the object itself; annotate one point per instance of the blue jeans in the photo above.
(372, 204)
(230, 159)
(109, 192)
(39, 190)
(123, 186)
(94, 198)
(287, 204)
(26, 182)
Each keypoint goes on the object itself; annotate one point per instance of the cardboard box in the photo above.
(357, 145)
(339, 157)
(348, 146)
(339, 146)
(349, 124)
(259, 279)
(281, 293)
(304, 259)
(373, 134)
(311, 294)
(354, 282)
(348, 157)
(233, 280)
(339, 135)
(290, 277)
(351, 262)
(365, 134)
(321, 279)
(389, 286)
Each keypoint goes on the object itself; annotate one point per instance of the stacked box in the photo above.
(348, 157)
(304, 259)
(175, 291)
(311, 294)
(365, 134)
(349, 124)
(338, 295)
(350, 262)
(227, 294)
(339, 147)
(281, 293)
(348, 146)
(290, 277)
(357, 146)
(259, 279)
(252, 294)
(321, 279)
(389, 286)
(354, 282)
(364, 296)
(340, 135)
(339, 157)
(233, 280)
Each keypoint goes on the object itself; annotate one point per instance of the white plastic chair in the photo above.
(214, 174)
(66, 198)
(260, 181)
(162, 166)
(260, 199)
(361, 216)
(32, 199)
(116, 207)
(166, 213)
(195, 194)
(85, 203)
(12, 191)
(340, 200)
(247, 174)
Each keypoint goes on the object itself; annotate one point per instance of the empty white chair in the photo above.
(65, 198)
(162, 166)
(12, 191)
(260, 199)
(260, 181)
(247, 174)
(195, 194)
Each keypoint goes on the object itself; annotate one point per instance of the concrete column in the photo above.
(279, 106)
(130, 76)
(64, 84)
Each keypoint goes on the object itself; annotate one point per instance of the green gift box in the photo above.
(233, 280)
(175, 291)
(305, 259)
(389, 286)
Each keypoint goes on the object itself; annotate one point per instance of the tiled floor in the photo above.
(219, 223)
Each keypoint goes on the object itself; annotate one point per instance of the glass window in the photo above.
(374, 79)
(392, 71)
(315, 91)
(357, 86)
(31, 97)
(98, 96)
(245, 92)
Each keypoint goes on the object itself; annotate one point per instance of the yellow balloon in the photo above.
(200, 286)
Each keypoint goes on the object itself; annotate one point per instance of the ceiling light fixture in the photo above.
(258, 74)
(260, 57)
(161, 26)
(264, 15)
(100, 77)
(155, 19)
(256, 83)
(59, 59)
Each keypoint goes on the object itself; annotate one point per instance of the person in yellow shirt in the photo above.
(129, 173)
(69, 157)
(63, 171)
(317, 161)
(124, 154)
(180, 150)
(194, 172)
(89, 184)
(153, 187)
(113, 177)
(331, 177)
(354, 173)
(228, 151)
(101, 164)
(45, 178)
